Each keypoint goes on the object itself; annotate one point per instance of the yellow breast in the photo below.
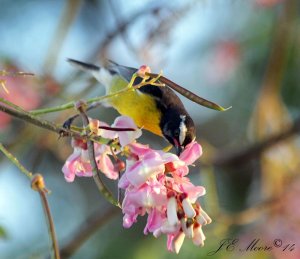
(140, 107)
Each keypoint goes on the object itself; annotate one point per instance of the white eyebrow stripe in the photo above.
(183, 129)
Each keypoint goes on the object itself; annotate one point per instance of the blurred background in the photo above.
(239, 53)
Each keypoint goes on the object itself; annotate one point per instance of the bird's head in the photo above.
(178, 129)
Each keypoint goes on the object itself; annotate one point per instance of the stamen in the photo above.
(188, 208)
(187, 227)
(206, 217)
(172, 211)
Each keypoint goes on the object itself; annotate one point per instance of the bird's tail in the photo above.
(83, 66)
(102, 74)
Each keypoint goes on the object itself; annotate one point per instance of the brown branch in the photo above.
(122, 27)
(38, 185)
(26, 116)
(87, 229)
(279, 49)
(253, 151)
(251, 214)
(31, 119)
(117, 17)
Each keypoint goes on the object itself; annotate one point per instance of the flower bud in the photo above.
(120, 165)
(143, 70)
(38, 184)
(79, 143)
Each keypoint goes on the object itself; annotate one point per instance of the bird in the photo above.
(154, 108)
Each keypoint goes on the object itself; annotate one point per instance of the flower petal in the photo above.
(191, 153)
(106, 166)
(126, 137)
(177, 242)
(142, 170)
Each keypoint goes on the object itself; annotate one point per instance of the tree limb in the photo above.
(246, 154)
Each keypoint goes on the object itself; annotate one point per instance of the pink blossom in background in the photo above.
(278, 225)
(283, 223)
(223, 63)
(22, 92)
(268, 3)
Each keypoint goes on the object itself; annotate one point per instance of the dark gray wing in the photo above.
(125, 72)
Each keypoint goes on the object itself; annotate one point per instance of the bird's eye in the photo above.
(176, 133)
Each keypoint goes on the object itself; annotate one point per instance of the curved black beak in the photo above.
(177, 146)
(178, 149)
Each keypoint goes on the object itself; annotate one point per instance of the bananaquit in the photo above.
(156, 109)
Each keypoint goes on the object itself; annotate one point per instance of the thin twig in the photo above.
(15, 161)
(38, 185)
(91, 151)
(14, 74)
(122, 27)
(117, 17)
(121, 166)
(70, 105)
(51, 227)
(63, 132)
(12, 105)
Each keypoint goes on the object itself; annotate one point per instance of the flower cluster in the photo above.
(78, 163)
(154, 182)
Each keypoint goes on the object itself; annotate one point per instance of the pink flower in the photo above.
(149, 166)
(23, 91)
(126, 137)
(138, 201)
(104, 162)
(154, 184)
(78, 163)
(97, 131)
(121, 122)
(191, 153)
